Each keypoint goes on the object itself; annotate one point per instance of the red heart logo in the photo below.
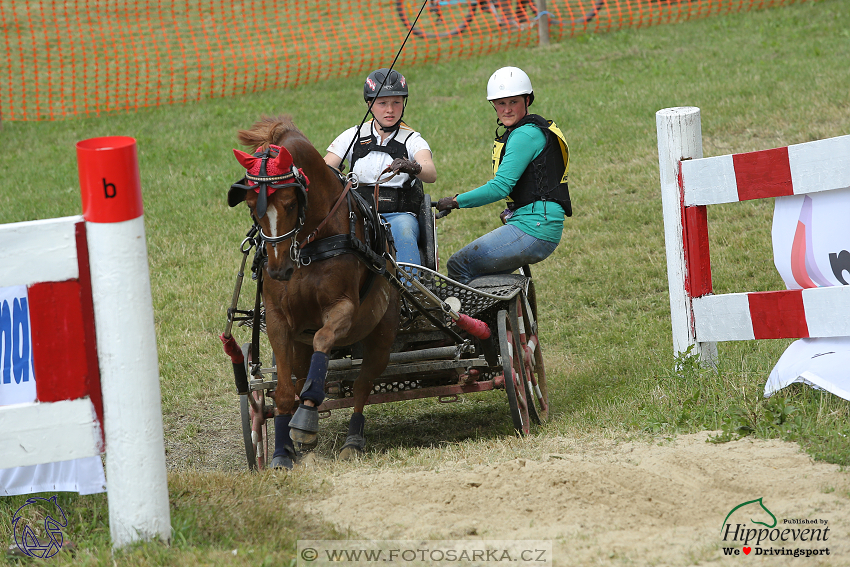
(747, 550)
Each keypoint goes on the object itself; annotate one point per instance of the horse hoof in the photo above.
(283, 462)
(303, 438)
(353, 448)
(304, 425)
(307, 447)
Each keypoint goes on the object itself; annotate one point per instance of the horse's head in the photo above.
(276, 192)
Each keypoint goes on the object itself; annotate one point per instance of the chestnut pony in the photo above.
(313, 301)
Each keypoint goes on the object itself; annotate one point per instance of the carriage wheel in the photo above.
(532, 357)
(245, 410)
(440, 18)
(515, 14)
(513, 373)
(254, 428)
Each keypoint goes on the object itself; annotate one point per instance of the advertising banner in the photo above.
(811, 248)
(811, 239)
(17, 381)
(17, 386)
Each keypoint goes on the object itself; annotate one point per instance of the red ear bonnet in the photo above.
(263, 170)
(281, 164)
(246, 160)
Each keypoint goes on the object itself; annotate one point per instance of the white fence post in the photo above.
(679, 137)
(137, 487)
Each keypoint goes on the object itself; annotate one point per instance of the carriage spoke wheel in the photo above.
(254, 428)
(532, 358)
(513, 373)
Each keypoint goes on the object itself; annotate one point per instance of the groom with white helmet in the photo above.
(531, 163)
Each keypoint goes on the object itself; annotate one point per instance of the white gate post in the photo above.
(679, 137)
(137, 485)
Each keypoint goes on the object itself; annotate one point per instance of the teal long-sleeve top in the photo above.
(543, 220)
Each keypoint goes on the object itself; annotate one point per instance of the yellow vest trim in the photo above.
(562, 142)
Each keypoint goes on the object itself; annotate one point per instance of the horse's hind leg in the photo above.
(376, 354)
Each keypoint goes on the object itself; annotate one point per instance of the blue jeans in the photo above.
(498, 252)
(405, 229)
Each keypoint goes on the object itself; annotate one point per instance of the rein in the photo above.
(313, 234)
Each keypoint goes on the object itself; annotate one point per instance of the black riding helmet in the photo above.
(394, 85)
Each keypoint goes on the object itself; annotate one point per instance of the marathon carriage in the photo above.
(451, 338)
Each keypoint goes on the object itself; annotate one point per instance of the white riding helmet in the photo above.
(509, 81)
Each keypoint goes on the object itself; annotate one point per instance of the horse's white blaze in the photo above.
(272, 213)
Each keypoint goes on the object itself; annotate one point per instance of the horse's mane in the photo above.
(268, 130)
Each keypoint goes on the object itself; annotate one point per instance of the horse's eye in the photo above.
(290, 208)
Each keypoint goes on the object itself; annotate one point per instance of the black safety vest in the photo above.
(409, 197)
(545, 178)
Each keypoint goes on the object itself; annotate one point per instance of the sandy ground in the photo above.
(608, 503)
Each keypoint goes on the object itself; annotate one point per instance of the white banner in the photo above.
(17, 380)
(17, 386)
(811, 248)
(811, 239)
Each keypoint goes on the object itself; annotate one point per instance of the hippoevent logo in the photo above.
(773, 537)
(38, 530)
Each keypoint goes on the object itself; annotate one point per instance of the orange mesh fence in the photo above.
(66, 58)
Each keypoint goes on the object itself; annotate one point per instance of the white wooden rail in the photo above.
(689, 183)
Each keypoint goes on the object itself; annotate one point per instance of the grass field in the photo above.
(762, 80)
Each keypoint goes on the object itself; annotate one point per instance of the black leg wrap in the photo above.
(314, 387)
(281, 434)
(284, 452)
(355, 442)
(304, 425)
(357, 424)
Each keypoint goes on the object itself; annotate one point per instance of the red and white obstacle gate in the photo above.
(85, 283)
(689, 183)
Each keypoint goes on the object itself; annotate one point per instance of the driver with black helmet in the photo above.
(384, 144)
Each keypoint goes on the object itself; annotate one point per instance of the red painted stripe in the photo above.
(778, 314)
(763, 174)
(697, 254)
(93, 373)
(58, 338)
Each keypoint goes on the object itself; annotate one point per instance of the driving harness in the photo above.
(376, 233)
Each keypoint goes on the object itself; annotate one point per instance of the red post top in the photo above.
(109, 179)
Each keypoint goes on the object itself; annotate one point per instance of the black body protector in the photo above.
(405, 199)
(545, 178)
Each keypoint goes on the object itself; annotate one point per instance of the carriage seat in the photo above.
(498, 281)
(427, 236)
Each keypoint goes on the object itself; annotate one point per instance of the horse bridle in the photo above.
(263, 183)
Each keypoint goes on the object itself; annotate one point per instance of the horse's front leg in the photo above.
(280, 338)
(304, 426)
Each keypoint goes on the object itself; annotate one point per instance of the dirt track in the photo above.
(600, 501)
(605, 503)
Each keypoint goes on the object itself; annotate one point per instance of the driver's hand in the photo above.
(447, 203)
(403, 165)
